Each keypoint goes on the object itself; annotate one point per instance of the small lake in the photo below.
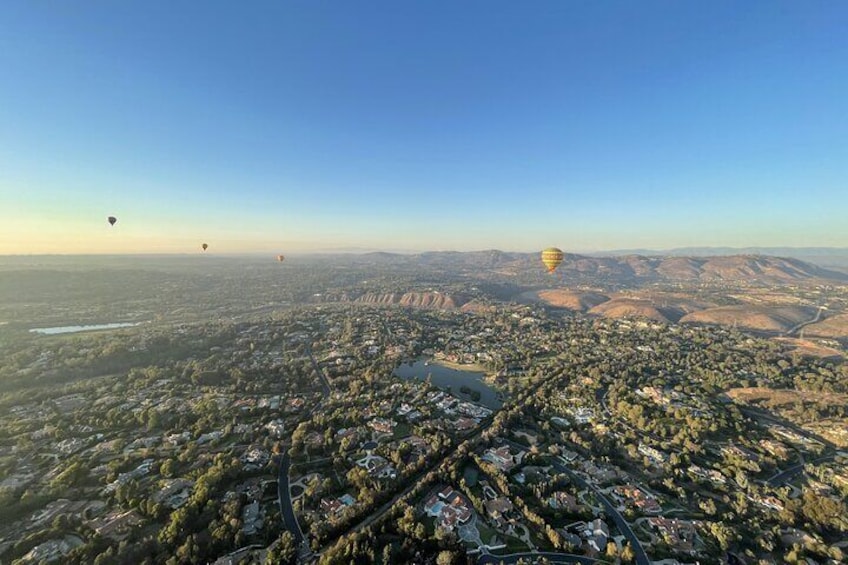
(89, 328)
(444, 377)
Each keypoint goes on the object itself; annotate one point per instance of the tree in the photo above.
(168, 468)
(446, 558)
(627, 554)
(284, 551)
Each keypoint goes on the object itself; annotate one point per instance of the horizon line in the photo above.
(367, 251)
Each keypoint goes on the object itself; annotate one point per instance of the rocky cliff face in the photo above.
(426, 299)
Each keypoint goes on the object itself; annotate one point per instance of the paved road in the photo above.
(378, 513)
(807, 323)
(623, 526)
(284, 497)
(325, 384)
(761, 414)
(552, 557)
(790, 473)
(283, 486)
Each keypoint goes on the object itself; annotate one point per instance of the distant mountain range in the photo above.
(823, 256)
(632, 268)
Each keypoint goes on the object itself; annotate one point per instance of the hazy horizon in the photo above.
(303, 128)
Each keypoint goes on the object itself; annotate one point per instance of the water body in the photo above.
(89, 328)
(444, 377)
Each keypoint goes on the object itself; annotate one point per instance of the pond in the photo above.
(75, 329)
(463, 384)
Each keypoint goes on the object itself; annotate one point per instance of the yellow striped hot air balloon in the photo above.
(552, 257)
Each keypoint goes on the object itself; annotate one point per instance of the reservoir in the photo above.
(444, 377)
(75, 329)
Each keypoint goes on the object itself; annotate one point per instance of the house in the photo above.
(177, 439)
(382, 425)
(449, 508)
(174, 493)
(251, 518)
(114, 524)
(597, 527)
(655, 455)
(331, 507)
(51, 550)
(209, 437)
(498, 507)
(680, 534)
(500, 458)
(464, 424)
(597, 534)
(562, 501)
(636, 496)
(570, 540)
(276, 428)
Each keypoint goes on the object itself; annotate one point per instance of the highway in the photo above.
(623, 526)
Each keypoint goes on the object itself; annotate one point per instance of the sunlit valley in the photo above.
(404, 408)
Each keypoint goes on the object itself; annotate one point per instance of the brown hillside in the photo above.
(834, 327)
(428, 299)
(579, 301)
(684, 268)
(685, 303)
(763, 318)
(755, 268)
(478, 307)
(808, 348)
(777, 397)
(636, 308)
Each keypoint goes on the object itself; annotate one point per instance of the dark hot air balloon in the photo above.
(281, 258)
(112, 220)
(204, 246)
(552, 257)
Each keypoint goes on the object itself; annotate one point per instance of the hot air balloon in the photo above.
(112, 220)
(281, 258)
(552, 257)
(204, 246)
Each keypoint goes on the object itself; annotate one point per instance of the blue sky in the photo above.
(310, 125)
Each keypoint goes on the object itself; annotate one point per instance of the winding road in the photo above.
(620, 522)
(797, 327)
(784, 476)
(284, 497)
(283, 486)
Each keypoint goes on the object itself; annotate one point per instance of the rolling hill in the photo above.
(753, 317)
(637, 308)
(623, 270)
(832, 327)
(560, 298)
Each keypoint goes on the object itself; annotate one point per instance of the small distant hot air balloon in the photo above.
(204, 246)
(112, 220)
(552, 257)
(281, 258)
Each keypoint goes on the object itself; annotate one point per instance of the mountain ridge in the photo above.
(632, 268)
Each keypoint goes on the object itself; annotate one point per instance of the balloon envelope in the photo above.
(112, 220)
(204, 246)
(281, 258)
(552, 257)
